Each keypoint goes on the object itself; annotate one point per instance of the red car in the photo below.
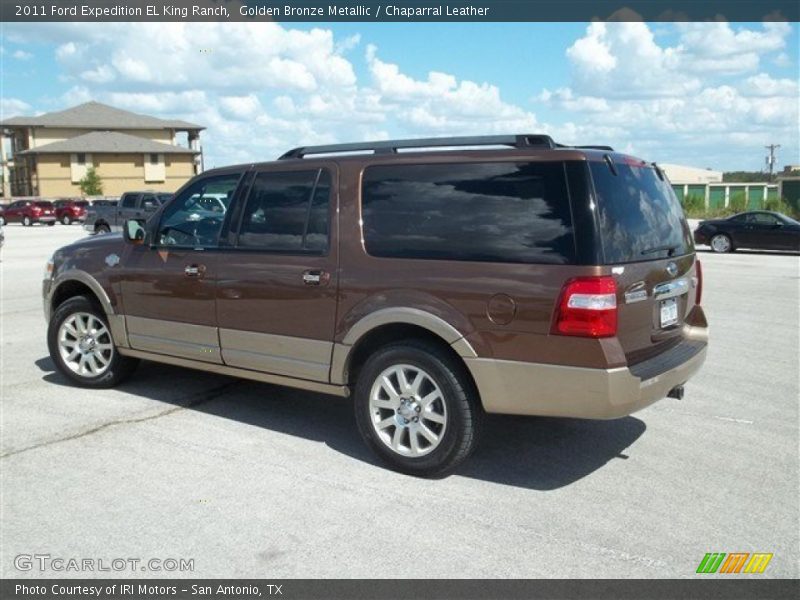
(70, 211)
(29, 212)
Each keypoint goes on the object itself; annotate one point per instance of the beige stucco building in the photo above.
(48, 155)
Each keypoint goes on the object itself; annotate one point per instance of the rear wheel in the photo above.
(66, 220)
(81, 346)
(721, 243)
(2, 220)
(102, 228)
(417, 409)
(26, 221)
(51, 223)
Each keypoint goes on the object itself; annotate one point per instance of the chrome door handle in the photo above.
(315, 277)
(193, 270)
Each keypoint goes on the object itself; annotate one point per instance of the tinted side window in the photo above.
(129, 200)
(287, 212)
(501, 212)
(186, 222)
(763, 219)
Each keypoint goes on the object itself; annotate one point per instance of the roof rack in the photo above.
(392, 146)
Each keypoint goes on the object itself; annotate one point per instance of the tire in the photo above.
(721, 243)
(81, 347)
(51, 223)
(26, 221)
(66, 220)
(392, 427)
(102, 228)
(2, 221)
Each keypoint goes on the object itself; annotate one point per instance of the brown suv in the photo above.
(524, 277)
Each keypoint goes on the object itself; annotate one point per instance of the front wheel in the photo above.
(417, 408)
(81, 346)
(102, 228)
(66, 220)
(721, 243)
(26, 222)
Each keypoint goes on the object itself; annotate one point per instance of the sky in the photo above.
(702, 94)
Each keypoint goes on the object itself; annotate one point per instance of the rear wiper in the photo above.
(670, 250)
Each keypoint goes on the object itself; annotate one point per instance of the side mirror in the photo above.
(134, 231)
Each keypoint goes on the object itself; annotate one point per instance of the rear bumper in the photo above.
(520, 388)
(45, 219)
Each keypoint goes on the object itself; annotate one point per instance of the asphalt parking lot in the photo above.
(253, 480)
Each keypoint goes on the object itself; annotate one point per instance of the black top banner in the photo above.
(399, 10)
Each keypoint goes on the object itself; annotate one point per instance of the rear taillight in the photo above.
(587, 307)
(36, 210)
(698, 269)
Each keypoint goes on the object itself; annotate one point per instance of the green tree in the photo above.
(91, 184)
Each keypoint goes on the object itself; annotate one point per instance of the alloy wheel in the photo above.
(720, 243)
(408, 410)
(85, 345)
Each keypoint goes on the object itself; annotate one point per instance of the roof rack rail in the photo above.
(392, 146)
(608, 148)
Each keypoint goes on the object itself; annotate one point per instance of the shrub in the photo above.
(91, 184)
(694, 206)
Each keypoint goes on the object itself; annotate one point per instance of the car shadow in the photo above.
(529, 452)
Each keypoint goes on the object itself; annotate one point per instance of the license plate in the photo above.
(669, 312)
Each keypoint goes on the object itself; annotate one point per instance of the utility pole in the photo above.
(771, 158)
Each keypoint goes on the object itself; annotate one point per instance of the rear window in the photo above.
(499, 212)
(639, 216)
(44, 204)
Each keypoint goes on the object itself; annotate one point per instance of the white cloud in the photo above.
(441, 103)
(679, 102)
(22, 55)
(261, 88)
(10, 107)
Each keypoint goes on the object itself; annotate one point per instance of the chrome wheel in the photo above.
(408, 410)
(85, 344)
(720, 243)
(65, 220)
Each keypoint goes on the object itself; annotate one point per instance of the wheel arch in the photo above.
(78, 283)
(392, 325)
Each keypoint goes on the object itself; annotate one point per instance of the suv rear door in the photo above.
(646, 239)
(276, 294)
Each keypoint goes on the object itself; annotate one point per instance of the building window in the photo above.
(81, 159)
(154, 159)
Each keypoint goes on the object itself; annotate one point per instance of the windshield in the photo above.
(639, 216)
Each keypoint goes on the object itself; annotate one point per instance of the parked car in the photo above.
(29, 212)
(70, 211)
(431, 286)
(760, 229)
(101, 218)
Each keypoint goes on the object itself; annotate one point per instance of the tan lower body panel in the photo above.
(314, 386)
(518, 388)
(197, 342)
(283, 355)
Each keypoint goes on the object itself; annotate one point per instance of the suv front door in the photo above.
(168, 282)
(276, 297)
